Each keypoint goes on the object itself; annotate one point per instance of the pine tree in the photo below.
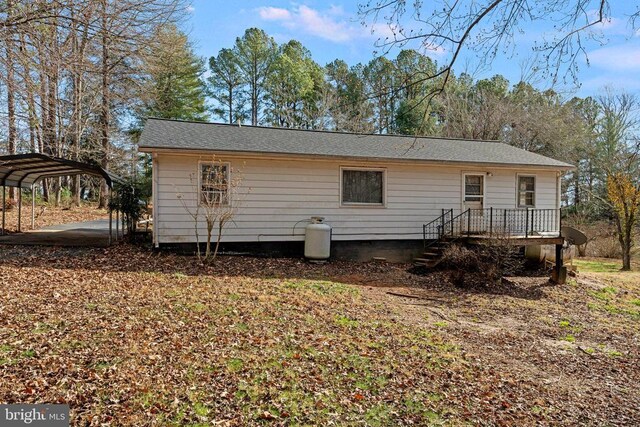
(291, 87)
(255, 53)
(174, 89)
(225, 86)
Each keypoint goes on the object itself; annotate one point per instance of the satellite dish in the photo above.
(573, 236)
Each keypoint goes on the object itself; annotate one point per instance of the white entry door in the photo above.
(473, 197)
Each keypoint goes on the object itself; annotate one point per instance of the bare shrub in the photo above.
(461, 264)
(605, 247)
(481, 265)
(602, 239)
(214, 197)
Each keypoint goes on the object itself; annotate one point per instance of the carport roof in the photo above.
(23, 170)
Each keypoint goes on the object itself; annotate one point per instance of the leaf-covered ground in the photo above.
(51, 215)
(130, 337)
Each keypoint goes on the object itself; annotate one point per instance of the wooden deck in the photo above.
(515, 240)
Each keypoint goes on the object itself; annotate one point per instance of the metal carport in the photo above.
(23, 171)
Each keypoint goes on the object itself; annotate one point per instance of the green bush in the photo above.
(126, 198)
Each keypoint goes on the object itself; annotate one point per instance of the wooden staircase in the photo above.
(432, 254)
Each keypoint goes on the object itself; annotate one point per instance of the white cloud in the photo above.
(616, 58)
(190, 9)
(330, 24)
(274, 14)
(323, 25)
(334, 24)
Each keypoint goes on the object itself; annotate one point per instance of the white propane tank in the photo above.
(317, 240)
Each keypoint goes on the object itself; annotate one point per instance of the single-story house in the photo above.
(382, 195)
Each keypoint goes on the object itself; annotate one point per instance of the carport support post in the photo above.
(19, 209)
(110, 220)
(4, 205)
(117, 226)
(33, 206)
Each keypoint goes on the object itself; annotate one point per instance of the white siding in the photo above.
(277, 195)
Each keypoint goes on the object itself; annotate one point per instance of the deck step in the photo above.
(432, 254)
(426, 263)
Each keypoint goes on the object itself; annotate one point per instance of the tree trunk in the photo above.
(43, 116)
(50, 137)
(254, 94)
(11, 105)
(625, 239)
(30, 90)
(576, 186)
(104, 109)
(76, 115)
(230, 105)
(628, 237)
(626, 259)
(58, 186)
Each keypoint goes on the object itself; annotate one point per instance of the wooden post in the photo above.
(559, 275)
(526, 222)
(117, 224)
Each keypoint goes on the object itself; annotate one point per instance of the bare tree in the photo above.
(488, 27)
(214, 198)
(618, 153)
(11, 88)
(75, 69)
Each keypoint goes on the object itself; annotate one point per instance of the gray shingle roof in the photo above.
(181, 135)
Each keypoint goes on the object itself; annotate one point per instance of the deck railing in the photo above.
(493, 222)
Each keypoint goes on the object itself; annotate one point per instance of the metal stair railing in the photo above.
(520, 222)
(432, 231)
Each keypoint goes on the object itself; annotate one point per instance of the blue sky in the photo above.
(332, 30)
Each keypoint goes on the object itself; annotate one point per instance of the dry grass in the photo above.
(128, 337)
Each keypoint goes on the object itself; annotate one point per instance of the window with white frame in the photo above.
(214, 184)
(363, 187)
(526, 191)
(473, 188)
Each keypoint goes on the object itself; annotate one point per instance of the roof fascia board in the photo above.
(313, 157)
